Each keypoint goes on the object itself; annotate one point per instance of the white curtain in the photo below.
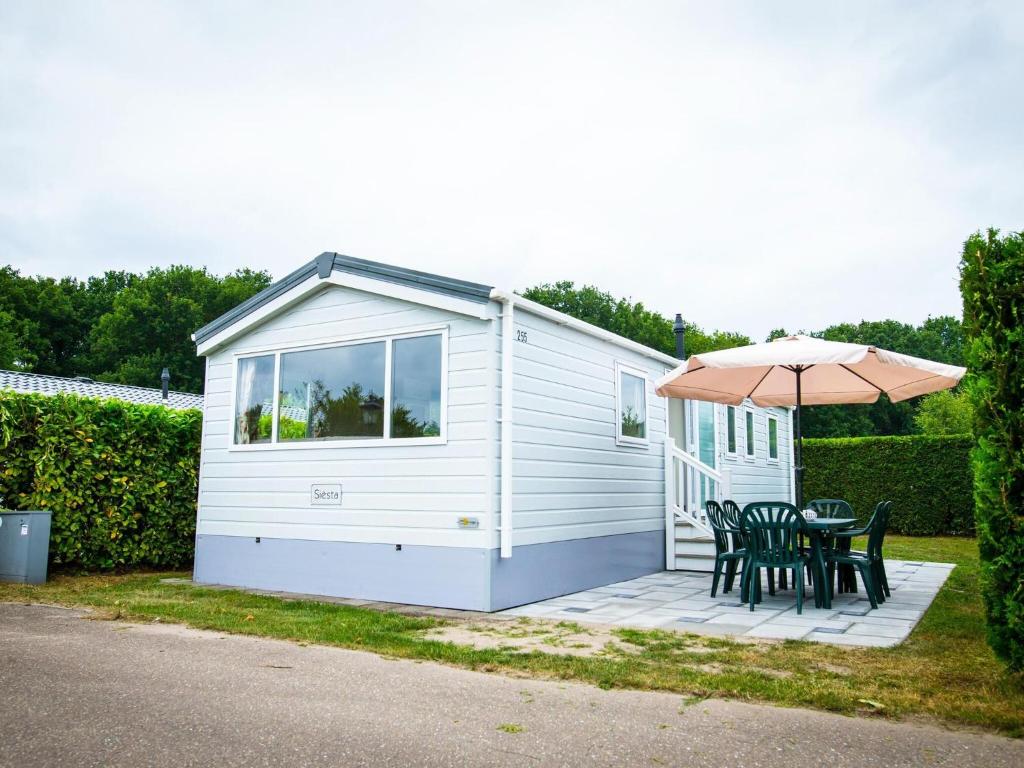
(246, 384)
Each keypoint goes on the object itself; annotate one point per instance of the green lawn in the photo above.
(943, 672)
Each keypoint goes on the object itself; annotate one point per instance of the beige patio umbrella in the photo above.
(801, 370)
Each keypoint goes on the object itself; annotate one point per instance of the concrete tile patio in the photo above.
(681, 601)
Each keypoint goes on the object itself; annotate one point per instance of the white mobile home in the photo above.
(357, 443)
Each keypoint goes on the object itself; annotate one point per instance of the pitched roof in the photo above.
(51, 385)
(468, 296)
(328, 262)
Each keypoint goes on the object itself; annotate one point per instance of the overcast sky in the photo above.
(753, 165)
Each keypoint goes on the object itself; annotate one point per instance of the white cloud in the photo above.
(753, 166)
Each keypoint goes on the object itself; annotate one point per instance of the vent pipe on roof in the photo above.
(679, 329)
(165, 381)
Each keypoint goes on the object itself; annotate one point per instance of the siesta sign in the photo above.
(325, 495)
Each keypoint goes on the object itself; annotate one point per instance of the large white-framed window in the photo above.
(773, 439)
(748, 424)
(631, 425)
(730, 431)
(367, 391)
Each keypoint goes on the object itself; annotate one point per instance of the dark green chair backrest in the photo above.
(876, 528)
(831, 508)
(719, 526)
(732, 512)
(770, 531)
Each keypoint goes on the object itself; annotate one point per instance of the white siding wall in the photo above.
(391, 494)
(571, 479)
(757, 479)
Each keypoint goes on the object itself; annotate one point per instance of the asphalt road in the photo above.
(75, 692)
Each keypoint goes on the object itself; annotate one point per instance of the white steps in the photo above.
(694, 549)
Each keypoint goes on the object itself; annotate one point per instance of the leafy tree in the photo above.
(945, 413)
(633, 321)
(152, 320)
(49, 320)
(937, 338)
(13, 354)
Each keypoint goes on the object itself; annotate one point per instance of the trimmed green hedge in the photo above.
(120, 478)
(927, 477)
(992, 285)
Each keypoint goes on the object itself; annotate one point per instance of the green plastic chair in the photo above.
(836, 508)
(771, 530)
(868, 563)
(881, 579)
(727, 553)
(733, 513)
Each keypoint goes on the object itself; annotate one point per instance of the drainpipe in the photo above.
(507, 340)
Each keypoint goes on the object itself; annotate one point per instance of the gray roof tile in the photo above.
(51, 385)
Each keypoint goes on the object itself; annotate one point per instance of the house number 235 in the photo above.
(521, 336)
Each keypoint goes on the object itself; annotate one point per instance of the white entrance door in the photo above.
(702, 423)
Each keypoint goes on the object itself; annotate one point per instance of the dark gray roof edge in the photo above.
(426, 281)
(253, 303)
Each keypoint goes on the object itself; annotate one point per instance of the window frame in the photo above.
(735, 432)
(768, 438)
(627, 440)
(749, 430)
(340, 442)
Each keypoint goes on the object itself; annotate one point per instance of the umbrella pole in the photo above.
(799, 469)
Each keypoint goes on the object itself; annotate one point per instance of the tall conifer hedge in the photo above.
(992, 285)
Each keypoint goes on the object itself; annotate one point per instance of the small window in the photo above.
(773, 439)
(632, 406)
(416, 387)
(750, 433)
(730, 422)
(254, 400)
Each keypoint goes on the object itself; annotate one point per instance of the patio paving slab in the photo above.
(681, 601)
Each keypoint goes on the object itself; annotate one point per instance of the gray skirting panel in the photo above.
(540, 571)
(445, 577)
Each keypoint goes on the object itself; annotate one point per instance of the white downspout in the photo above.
(507, 333)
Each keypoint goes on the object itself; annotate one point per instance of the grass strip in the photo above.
(944, 672)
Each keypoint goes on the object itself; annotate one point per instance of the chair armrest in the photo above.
(849, 534)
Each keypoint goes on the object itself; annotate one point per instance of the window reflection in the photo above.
(332, 393)
(254, 393)
(416, 387)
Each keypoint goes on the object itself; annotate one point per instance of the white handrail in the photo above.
(688, 483)
(693, 461)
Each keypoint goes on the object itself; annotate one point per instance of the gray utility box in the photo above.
(24, 546)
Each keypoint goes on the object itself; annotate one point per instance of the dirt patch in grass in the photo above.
(530, 635)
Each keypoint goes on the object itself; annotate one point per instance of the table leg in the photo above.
(815, 574)
(823, 580)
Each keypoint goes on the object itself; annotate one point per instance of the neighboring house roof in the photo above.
(458, 292)
(51, 385)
